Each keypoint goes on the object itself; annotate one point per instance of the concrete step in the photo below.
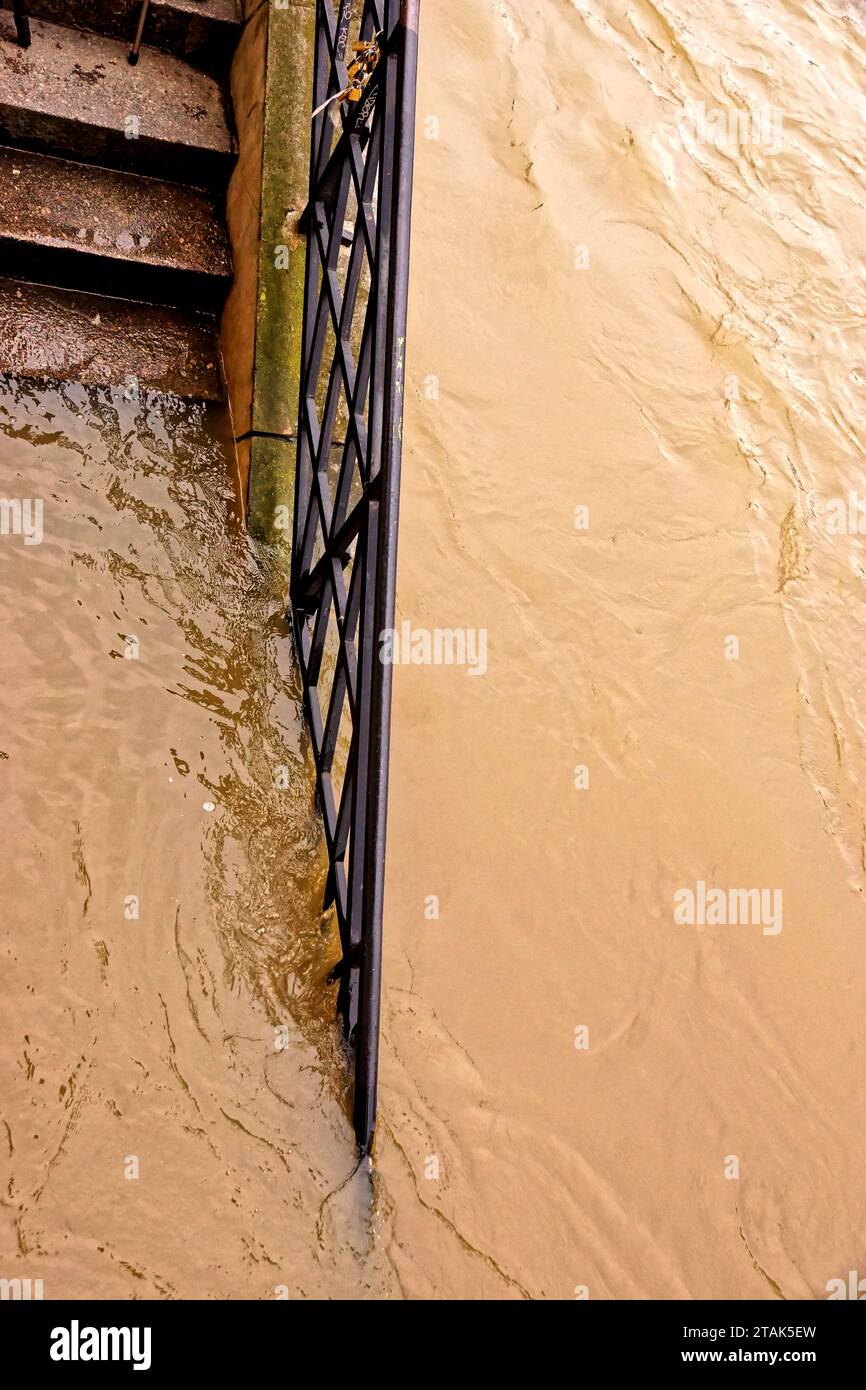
(74, 93)
(83, 227)
(62, 335)
(204, 32)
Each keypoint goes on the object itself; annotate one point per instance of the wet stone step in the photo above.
(85, 227)
(62, 335)
(74, 93)
(202, 31)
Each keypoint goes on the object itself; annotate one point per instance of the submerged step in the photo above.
(62, 335)
(74, 93)
(202, 31)
(85, 227)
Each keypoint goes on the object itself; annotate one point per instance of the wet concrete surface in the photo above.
(202, 31)
(74, 93)
(64, 335)
(110, 213)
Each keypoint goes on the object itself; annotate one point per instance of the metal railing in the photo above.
(22, 27)
(22, 23)
(134, 52)
(357, 226)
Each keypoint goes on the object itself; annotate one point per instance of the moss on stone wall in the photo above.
(279, 310)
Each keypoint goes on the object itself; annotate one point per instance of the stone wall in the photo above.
(261, 324)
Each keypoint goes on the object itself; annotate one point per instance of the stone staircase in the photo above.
(204, 32)
(112, 191)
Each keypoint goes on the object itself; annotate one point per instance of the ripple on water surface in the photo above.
(165, 960)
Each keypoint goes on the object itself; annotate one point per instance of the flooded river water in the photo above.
(172, 1118)
(634, 464)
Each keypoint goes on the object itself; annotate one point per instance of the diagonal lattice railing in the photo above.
(357, 225)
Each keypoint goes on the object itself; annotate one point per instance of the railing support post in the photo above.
(22, 23)
(139, 33)
(344, 556)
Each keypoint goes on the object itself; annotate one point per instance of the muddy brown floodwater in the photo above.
(171, 1113)
(638, 289)
(633, 468)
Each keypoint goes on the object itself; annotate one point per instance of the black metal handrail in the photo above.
(22, 23)
(139, 33)
(347, 493)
